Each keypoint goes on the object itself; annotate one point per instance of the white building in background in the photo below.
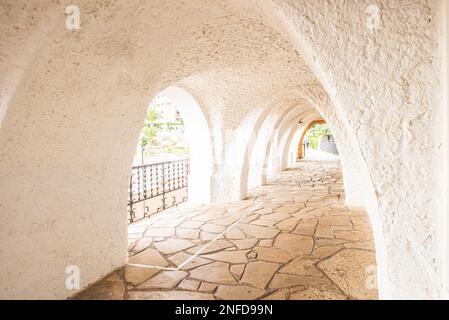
(166, 108)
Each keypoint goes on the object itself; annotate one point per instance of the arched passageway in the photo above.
(72, 102)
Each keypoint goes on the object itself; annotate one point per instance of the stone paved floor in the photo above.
(292, 239)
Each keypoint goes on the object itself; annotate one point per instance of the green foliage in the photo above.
(313, 142)
(153, 136)
(177, 150)
(147, 136)
(152, 116)
(150, 129)
(316, 133)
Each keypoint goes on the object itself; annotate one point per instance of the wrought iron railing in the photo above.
(157, 186)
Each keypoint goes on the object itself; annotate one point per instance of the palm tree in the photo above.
(149, 131)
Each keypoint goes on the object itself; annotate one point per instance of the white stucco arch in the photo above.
(72, 103)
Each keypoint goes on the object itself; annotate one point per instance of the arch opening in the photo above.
(173, 159)
(316, 142)
(282, 136)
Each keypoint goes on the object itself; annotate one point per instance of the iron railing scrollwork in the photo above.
(152, 185)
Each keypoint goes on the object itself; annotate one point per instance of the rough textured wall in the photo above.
(72, 104)
(384, 86)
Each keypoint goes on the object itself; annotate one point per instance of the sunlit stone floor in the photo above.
(292, 239)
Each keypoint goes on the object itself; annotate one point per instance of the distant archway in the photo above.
(301, 140)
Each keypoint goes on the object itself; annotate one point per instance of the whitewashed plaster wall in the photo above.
(72, 104)
(385, 85)
(443, 19)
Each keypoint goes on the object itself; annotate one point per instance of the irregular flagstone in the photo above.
(213, 228)
(237, 270)
(361, 224)
(294, 244)
(136, 229)
(353, 271)
(264, 211)
(191, 224)
(169, 295)
(225, 221)
(149, 257)
(276, 216)
(258, 231)
(259, 273)
(330, 242)
(285, 280)
(308, 221)
(216, 272)
(188, 284)
(160, 232)
(164, 280)
(208, 287)
(213, 213)
(131, 244)
(181, 257)
(365, 245)
(238, 293)
(290, 208)
(305, 230)
(142, 244)
(352, 235)
(217, 245)
(170, 246)
(187, 233)
(207, 236)
(168, 222)
(322, 293)
(264, 223)
(137, 275)
(250, 218)
(340, 228)
(234, 234)
(324, 231)
(325, 251)
(288, 225)
(343, 221)
(284, 199)
(271, 254)
(245, 243)
(252, 255)
(282, 294)
(236, 256)
(266, 243)
(304, 265)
